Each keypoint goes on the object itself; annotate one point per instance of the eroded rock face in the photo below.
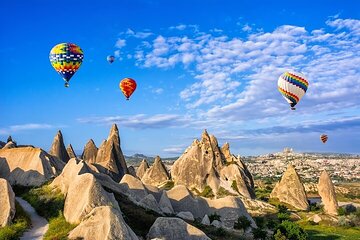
(290, 190)
(9, 145)
(90, 152)
(7, 203)
(103, 222)
(204, 163)
(131, 171)
(140, 171)
(110, 159)
(175, 228)
(58, 148)
(70, 151)
(156, 174)
(28, 166)
(165, 204)
(327, 194)
(133, 187)
(85, 194)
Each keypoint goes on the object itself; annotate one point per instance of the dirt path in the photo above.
(39, 224)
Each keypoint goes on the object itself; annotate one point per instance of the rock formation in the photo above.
(7, 203)
(290, 190)
(90, 152)
(142, 168)
(133, 187)
(70, 151)
(186, 216)
(149, 202)
(28, 166)
(110, 159)
(175, 228)
(165, 204)
(205, 220)
(2, 144)
(204, 163)
(103, 222)
(9, 145)
(58, 148)
(156, 174)
(85, 194)
(131, 171)
(327, 194)
(229, 208)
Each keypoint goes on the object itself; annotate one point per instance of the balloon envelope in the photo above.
(110, 59)
(292, 86)
(66, 59)
(323, 138)
(127, 86)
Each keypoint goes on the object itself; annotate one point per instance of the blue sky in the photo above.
(198, 64)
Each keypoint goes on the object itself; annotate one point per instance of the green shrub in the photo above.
(242, 223)
(214, 216)
(58, 228)
(271, 224)
(220, 232)
(291, 231)
(282, 208)
(279, 236)
(234, 186)
(259, 233)
(283, 216)
(350, 209)
(20, 223)
(260, 221)
(341, 211)
(207, 192)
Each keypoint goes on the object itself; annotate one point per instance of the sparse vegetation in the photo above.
(168, 185)
(20, 223)
(242, 223)
(259, 233)
(234, 186)
(214, 216)
(49, 203)
(207, 192)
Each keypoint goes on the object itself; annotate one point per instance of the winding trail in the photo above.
(39, 224)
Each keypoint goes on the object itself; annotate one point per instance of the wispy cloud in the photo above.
(139, 34)
(174, 149)
(140, 121)
(120, 43)
(26, 127)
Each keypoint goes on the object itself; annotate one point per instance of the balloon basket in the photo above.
(66, 85)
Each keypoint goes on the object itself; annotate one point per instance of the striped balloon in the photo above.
(66, 59)
(292, 86)
(127, 86)
(323, 138)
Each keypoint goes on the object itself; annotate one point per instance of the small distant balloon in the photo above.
(292, 86)
(127, 86)
(324, 138)
(110, 59)
(66, 59)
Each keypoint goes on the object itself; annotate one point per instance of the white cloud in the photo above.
(158, 90)
(174, 149)
(120, 43)
(141, 35)
(25, 127)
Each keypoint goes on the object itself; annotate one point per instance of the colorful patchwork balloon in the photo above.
(324, 138)
(292, 86)
(66, 59)
(127, 86)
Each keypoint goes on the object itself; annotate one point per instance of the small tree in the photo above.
(279, 236)
(259, 233)
(214, 216)
(341, 211)
(292, 231)
(282, 208)
(242, 223)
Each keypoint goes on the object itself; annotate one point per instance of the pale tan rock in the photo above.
(58, 148)
(186, 216)
(104, 223)
(204, 163)
(133, 187)
(28, 166)
(175, 228)
(72, 169)
(140, 171)
(85, 194)
(156, 174)
(7, 203)
(90, 152)
(70, 151)
(109, 158)
(9, 145)
(290, 190)
(165, 204)
(149, 202)
(327, 194)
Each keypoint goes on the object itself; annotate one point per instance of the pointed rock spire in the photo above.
(290, 190)
(90, 152)
(110, 159)
(327, 193)
(70, 151)
(142, 168)
(58, 148)
(156, 174)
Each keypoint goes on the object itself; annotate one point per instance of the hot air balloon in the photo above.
(66, 59)
(127, 86)
(292, 86)
(323, 138)
(110, 59)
